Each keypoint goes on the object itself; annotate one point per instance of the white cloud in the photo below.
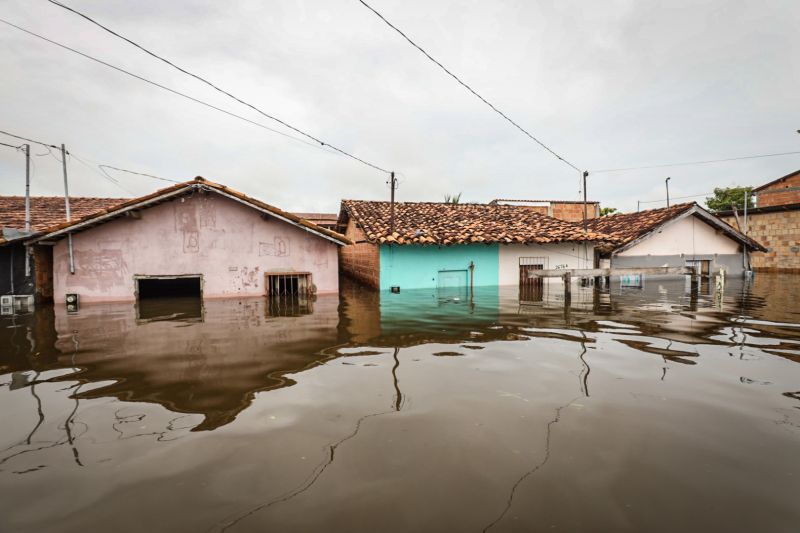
(606, 85)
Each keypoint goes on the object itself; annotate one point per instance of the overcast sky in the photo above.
(605, 84)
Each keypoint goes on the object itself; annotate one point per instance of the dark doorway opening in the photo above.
(169, 287)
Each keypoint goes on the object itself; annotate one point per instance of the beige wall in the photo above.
(689, 236)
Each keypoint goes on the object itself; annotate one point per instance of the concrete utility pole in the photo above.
(666, 181)
(27, 150)
(585, 175)
(392, 186)
(67, 210)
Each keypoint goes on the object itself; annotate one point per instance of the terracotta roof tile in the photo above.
(47, 211)
(629, 226)
(440, 223)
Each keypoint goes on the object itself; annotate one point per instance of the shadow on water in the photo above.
(207, 362)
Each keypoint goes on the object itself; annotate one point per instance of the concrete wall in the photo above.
(732, 263)
(360, 261)
(418, 266)
(564, 255)
(775, 195)
(230, 244)
(779, 232)
(688, 236)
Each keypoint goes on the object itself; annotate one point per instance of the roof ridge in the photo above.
(191, 184)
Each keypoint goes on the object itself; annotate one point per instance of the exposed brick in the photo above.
(778, 232)
(774, 195)
(360, 261)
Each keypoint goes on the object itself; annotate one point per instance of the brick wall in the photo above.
(573, 212)
(360, 261)
(43, 273)
(773, 196)
(779, 232)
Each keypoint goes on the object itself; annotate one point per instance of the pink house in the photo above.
(197, 238)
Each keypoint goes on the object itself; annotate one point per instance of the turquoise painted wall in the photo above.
(418, 266)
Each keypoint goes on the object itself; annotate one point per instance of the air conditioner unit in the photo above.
(15, 303)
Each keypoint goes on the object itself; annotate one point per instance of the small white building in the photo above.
(681, 235)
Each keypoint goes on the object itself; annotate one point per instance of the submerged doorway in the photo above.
(148, 287)
(452, 285)
(531, 288)
(169, 298)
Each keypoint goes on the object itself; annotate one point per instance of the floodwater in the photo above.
(652, 409)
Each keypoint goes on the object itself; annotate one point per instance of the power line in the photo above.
(215, 87)
(102, 173)
(675, 198)
(173, 91)
(463, 84)
(103, 167)
(25, 138)
(11, 146)
(694, 162)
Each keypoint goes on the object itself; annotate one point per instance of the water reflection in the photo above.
(409, 384)
(210, 359)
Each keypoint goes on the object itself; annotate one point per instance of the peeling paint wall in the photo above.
(230, 244)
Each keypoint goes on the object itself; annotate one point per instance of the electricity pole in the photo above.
(585, 175)
(67, 210)
(392, 186)
(27, 150)
(666, 181)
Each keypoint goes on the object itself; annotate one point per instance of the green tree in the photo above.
(607, 211)
(724, 197)
(452, 199)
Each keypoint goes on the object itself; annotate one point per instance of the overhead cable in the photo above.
(675, 198)
(694, 162)
(103, 175)
(217, 88)
(155, 84)
(103, 167)
(25, 138)
(463, 84)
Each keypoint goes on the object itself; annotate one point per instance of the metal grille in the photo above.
(289, 284)
(525, 261)
(531, 289)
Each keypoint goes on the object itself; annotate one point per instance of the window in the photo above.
(289, 284)
(702, 266)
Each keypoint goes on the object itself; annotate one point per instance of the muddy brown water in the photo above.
(650, 409)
